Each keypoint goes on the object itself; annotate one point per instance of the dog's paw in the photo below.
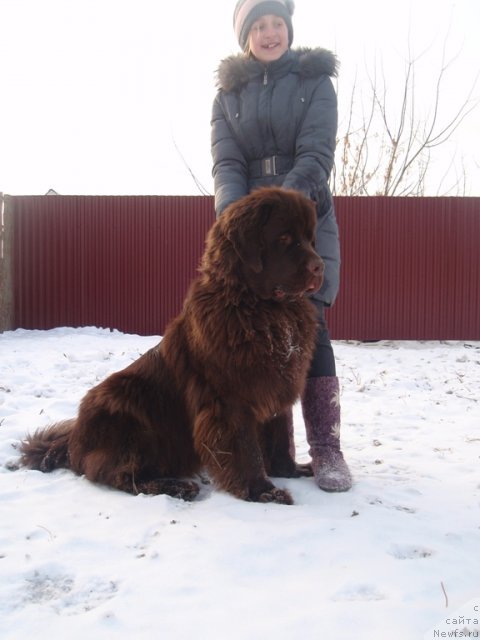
(280, 496)
(290, 469)
(182, 489)
(303, 470)
(262, 490)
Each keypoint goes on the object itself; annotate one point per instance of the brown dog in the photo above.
(216, 391)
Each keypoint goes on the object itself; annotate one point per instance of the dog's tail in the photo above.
(47, 449)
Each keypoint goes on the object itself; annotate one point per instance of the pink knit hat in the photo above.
(247, 11)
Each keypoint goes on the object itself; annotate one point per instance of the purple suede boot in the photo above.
(321, 412)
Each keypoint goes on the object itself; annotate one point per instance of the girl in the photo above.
(274, 122)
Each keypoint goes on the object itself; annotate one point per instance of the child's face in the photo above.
(268, 38)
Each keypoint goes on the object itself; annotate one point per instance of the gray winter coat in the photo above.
(276, 125)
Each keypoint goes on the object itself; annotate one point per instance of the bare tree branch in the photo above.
(391, 150)
(199, 185)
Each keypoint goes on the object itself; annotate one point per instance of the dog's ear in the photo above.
(248, 246)
(245, 232)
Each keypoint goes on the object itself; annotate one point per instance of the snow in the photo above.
(397, 557)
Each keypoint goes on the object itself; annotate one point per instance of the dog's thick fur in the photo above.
(216, 391)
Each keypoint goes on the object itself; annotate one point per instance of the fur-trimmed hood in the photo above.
(236, 70)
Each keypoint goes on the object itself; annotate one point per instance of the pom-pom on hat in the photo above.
(247, 11)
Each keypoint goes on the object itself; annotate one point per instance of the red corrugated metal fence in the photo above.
(118, 262)
(411, 266)
(411, 269)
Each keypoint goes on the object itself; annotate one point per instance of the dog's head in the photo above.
(272, 234)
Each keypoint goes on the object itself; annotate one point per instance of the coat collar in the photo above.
(237, 70)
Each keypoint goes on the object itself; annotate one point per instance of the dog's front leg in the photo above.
(276, 438)
(226, 441)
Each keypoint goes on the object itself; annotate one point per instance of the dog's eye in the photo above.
(285, 239)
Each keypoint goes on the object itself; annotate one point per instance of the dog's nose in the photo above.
(316, 266)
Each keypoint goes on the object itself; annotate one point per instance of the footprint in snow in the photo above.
(409, 551)
(41, 588)
(358, 592)
(63, 595)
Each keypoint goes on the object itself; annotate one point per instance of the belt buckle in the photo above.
(269, 166)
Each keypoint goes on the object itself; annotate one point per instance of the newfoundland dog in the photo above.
(216, 393)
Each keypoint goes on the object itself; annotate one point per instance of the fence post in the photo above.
(6, 259)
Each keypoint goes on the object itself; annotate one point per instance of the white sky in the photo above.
(95, 92)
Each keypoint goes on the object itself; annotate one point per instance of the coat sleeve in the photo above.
(315, 143)
(229, 164)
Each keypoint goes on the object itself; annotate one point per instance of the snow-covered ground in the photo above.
(397, 557)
